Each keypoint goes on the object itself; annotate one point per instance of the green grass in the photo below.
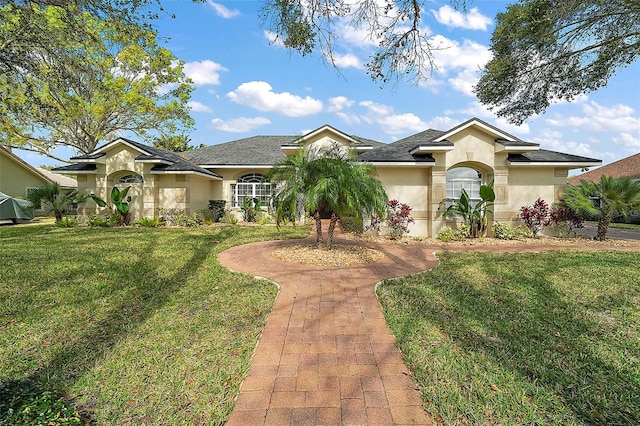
(623, 225)
(546, 338)
(128, 326)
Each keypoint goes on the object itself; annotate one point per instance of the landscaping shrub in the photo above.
(535, 217)
(351, 224)
(399, 219)
(207, 216)
(503, 231)
(250, 208)
(148, 222)
(217, 209)
(565, 220)
(454, 234)
(229, 217)
(67, 222)
(103, 221)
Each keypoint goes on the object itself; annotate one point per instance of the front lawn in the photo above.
(131, 326)
(546, 338)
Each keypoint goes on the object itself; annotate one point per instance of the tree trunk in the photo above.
(58, 215)
(316, 216)
(603, 227)
(332, 227)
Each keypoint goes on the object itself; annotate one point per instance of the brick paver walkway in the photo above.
(326, 356)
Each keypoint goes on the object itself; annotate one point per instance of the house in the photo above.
(16, 175)
(420, 170)
(628, 167)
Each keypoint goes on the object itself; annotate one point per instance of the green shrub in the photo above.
(217, 209)
(351, 224)
(503, 231)
(229, 217)
(148, 222)
(207, 216)
(454, 234)
(67, 222)
(264, 218)
(171, 216)
(102, 221)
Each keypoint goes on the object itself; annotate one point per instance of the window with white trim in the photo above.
(464, 177)
(130, 179)
(250, 186)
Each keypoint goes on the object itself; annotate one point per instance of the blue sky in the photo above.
(246, 85)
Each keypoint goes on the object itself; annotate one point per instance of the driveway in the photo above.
(591, 228)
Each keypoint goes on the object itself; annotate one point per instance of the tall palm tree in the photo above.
(604, 199)
(327, 181)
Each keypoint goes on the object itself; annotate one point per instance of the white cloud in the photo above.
(204, 72)
(451, 54)
(628, 141)
(273, 39)
(198, 107)
(339, 103)
(349, 118)
(240, 124)
(389, 121)
(259, 95)
(474, 20)
(599, 118)
(347, 60)
(222, 11)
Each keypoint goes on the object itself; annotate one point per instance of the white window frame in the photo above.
(250, 185)
(471, 184)
(131, 179)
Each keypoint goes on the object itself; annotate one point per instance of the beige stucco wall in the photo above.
(188, 192)
(410, 185)
(16, 177)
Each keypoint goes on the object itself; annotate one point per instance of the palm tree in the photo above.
(52, 199)
(603, 199)
(327, 181)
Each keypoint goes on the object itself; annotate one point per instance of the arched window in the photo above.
(250, 186)
(130, 179)
(464, 177)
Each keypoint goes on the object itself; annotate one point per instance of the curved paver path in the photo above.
(327, 356)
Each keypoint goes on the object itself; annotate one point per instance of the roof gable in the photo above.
(23, 164)
(482, 125)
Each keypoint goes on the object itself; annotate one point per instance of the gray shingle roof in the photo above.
(75, 168)
(255, 150)
(545, 156)
(400, 151)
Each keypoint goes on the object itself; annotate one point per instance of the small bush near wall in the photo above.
(454, 234)
(102, 221)
(351, 224)
(217, 209)
(67, 222)
(148, 222)
(229, 217)
(503, 231)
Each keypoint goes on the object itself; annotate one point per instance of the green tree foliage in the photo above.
(549, 50)
(603, 199)
(81, 90)
(175, 143)
(314, 182)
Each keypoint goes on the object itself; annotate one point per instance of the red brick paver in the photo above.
(326, 355)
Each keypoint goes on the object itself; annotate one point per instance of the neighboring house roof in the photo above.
(627, 167)
(165, 161)
(63, 181)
